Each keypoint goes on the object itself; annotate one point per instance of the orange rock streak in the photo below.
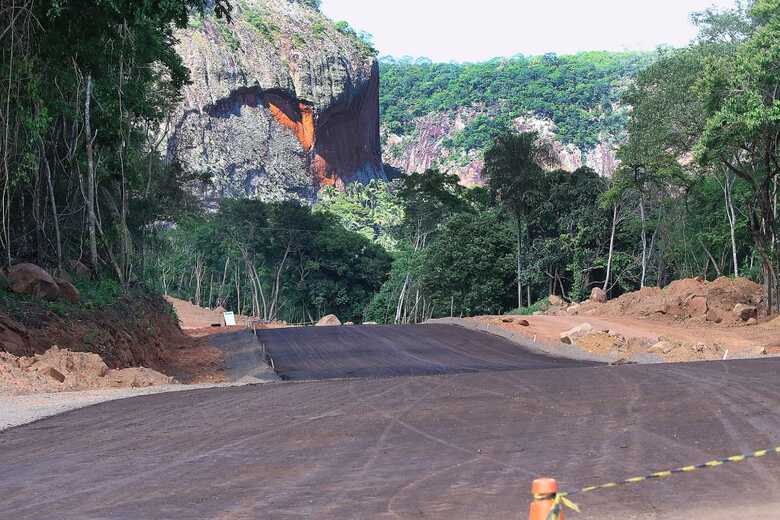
(302, 125)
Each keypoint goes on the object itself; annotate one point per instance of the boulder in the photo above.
(31, 279)
(80, 269)
(68, 291)
(555, 300)
(598, 295)
(745, 312)
(714, 316)
(697, 306)
(662, 347)
(573, 334)
(331, 320)
(14, 338)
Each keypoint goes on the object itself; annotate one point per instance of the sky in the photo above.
(460, 30)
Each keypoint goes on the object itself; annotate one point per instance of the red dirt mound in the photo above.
(688, 299)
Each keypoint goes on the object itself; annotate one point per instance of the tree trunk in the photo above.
(55, 215)
(611, 248)
(91, 218)
(644, 240)
(519, 266)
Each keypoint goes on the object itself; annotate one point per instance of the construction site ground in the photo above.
(459, 444)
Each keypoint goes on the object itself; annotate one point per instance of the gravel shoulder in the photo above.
(22, 409)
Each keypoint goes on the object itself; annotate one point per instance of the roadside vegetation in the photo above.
(695, 195)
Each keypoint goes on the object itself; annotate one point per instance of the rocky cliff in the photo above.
(427, 146)
(282, 102)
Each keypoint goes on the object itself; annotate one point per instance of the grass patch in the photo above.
(540, 306)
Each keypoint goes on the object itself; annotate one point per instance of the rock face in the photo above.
(281, 103)
(426, 146)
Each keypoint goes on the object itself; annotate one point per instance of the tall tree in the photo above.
(513, 168)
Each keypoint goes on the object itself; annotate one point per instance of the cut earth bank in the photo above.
(58, 353)
(689, 320)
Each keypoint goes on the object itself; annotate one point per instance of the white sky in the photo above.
(469, 30)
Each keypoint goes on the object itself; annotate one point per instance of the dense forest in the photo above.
(579, 93)
(695, 195)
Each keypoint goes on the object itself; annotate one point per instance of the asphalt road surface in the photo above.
(454, 446)
(381, 351)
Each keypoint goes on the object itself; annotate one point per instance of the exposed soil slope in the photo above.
(692, 319)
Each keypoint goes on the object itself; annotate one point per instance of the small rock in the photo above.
(522, 323)
(714, 316)
(555, 300)
(54, 374)
(507, 320)
(370, 323)
(349, 323)
(598, 295)
(573, 334)
(752, 321)
(623, 361)
(745, 312)
(573, 308)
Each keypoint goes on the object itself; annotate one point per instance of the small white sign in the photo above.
(230, 319)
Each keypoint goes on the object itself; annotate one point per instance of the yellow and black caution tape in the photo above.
(563, 499)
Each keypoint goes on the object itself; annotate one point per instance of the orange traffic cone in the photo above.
(544, 491)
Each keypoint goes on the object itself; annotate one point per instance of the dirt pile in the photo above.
(724, 300)
(63, 370)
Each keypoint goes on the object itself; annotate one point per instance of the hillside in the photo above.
(283, 101)
(444, 115)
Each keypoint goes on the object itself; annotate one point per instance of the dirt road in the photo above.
(381, 351)
(454, 446)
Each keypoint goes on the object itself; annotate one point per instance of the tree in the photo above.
(741, 94)
(514, 166)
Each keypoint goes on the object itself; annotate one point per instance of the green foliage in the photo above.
(289, 262)
(363, 39)
(319, 28)
(539, 306)
(228, 36)
(375, 210)
(125, 52)
(579, 93)
(259, 20)
(470, 269)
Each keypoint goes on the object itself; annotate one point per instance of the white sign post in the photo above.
(230, 319)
